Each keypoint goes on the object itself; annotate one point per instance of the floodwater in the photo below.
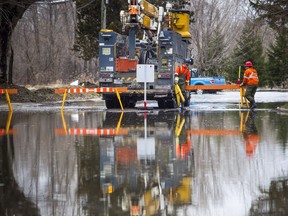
(160, 162)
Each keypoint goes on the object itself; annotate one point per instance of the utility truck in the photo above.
(151, 35)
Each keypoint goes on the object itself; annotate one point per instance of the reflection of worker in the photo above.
(183, 143)
(183, 147)
(251, 80)
(250, 134)
(182, 76)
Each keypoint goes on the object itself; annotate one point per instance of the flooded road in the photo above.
(162, 162)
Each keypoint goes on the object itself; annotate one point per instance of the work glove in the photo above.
(241, 84)
(176, 79)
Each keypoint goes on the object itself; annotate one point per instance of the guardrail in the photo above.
(222, 87)
(117, 90)
(7, 92)
(92, 131)
(212, 87)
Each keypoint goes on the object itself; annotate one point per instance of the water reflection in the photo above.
(148, 170)
(155, 163)
(250, 133)
(12, 199)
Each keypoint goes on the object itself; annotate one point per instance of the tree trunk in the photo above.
(5, 35)
(10, 69)
(10, 12)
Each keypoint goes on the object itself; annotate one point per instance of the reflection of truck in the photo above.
(196, 79)
(143, 166)
(164, 43)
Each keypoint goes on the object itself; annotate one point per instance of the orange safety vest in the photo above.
(184, 70)
(251, 77)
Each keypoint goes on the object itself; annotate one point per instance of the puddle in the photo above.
(97, 162)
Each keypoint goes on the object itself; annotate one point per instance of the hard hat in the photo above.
(188, 61)
(248, 64)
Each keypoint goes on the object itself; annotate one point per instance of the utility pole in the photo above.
(103, 13)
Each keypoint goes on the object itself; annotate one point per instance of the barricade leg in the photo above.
(64, 122)
(8, 122)
(119, 123)
(243, 98)
(119, 99)
(8, 101)
(64, 98)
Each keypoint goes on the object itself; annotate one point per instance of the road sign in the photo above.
(144, 74)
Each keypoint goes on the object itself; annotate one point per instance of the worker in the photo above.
(251, 80)
(182, 76)
(250, 135)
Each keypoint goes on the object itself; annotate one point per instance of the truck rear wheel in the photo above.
(161, 104)
(166, 103)
(171, 103)
(112, 104)
(128, 103)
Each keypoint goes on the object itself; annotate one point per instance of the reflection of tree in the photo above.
(10, 193)
(89, 169)
(282, 132)
(277, 121)
(275, 202)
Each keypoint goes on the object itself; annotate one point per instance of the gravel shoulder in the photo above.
(43, 94)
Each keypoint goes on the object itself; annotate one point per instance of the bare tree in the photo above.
(43, 42)
(212, 18)
(10, 12)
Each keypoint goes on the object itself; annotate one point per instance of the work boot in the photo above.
(253, 105)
